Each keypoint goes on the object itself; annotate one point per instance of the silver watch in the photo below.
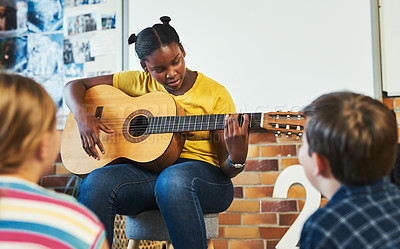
(236, 165)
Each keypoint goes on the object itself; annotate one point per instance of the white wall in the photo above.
(270, 54)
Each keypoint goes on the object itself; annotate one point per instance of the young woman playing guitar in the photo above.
(199, 181)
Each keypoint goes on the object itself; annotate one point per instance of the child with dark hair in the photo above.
(349, 148)
(199, 181)
(395, 174)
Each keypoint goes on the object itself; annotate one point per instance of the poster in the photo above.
(55, 41)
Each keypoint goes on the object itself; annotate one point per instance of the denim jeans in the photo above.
(182, 192)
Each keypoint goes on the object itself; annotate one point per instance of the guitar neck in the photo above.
(170, 124)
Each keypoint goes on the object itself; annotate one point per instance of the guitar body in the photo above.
(125, 115)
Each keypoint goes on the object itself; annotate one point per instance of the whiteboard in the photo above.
(270, 55)
(390, 42)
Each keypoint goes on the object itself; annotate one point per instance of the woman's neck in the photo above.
(188, 82)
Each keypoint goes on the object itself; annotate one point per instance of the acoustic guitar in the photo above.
(150, 130)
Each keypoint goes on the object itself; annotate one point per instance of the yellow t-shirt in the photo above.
(204, 98)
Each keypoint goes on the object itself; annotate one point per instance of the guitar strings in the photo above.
(159, 127)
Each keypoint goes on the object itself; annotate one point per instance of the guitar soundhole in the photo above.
(138, 126)
(135, 125)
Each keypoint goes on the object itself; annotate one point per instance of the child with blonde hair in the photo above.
(30, 215)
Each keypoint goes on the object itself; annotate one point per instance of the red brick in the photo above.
(278, 206)
(287, 219)
(389, 102)
(258, 192)
(247, 178)
(398, 132)
(296, 191)
(269, 178)
(230, 218)
(300, 204)
(286, 162)
(397, 103)
(241, 232)
(244, 206)
(254, 151)
(220, 232)
(238, 192)
(262, 165)
(278, 150)
(323, 202)
(260, 137)
(220, 243)
(246, 244)
(272, 232)
(260, 219)
(271, 244)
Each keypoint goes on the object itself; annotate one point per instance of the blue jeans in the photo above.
(182, 192)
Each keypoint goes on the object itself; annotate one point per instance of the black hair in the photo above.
(152, 38)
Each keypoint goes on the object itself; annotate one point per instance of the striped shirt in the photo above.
(34, 217)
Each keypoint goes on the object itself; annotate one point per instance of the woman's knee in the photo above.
(95, 186)
(173, 182)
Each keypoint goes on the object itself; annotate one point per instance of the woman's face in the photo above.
(167, 66)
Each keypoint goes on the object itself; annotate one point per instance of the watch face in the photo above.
(237, 165)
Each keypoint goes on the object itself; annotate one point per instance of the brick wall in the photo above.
(394, 104)
(255, 220)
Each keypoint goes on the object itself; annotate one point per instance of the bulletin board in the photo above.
(92, 39)
(31, 42)
(270, 55)
(55, 41)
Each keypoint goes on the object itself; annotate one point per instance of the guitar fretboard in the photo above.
(169, 124)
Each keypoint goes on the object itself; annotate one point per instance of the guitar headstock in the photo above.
(289, 123)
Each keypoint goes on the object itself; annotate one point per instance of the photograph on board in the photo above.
(45, 54)
(45, 15)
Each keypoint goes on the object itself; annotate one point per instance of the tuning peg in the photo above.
(288, 135)
(288, 116)
(278, 134)
(299, 116)
(299, 135)
(276, 126)
(298, 128)
(287, 127)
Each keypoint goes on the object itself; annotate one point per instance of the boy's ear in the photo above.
(43, 148)
(144, 66)
(322, 166)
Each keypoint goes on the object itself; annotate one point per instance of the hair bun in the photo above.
(165, 19)
(132, 39)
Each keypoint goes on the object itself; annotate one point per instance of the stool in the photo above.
(150, 225)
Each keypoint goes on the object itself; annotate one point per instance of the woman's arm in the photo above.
(233, 144)
(74, 92)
